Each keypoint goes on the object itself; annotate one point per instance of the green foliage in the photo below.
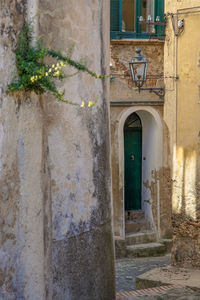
(35, 75)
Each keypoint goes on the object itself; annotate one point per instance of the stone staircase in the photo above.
(140, 240)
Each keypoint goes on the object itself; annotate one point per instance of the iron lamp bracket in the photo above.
(160, 92)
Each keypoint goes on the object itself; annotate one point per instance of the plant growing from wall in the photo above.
(34, 74)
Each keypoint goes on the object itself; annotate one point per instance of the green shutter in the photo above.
(114, 15)
(137, 15)
(159, 11)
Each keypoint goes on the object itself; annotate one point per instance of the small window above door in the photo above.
(133, 121)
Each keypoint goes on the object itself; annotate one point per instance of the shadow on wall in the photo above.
(186, 208)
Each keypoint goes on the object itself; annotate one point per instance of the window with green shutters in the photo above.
(124, 18)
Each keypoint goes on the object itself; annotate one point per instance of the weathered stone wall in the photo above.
(79, 155)
(56, 234)
(123, 96)
(181, 114)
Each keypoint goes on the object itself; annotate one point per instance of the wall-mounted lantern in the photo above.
(138, 68)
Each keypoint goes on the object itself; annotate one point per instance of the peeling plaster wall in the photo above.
(55, 209)
(122, 51)
(181, 114)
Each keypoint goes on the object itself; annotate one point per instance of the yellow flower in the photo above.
(50, 70)
(53, 66)
(46, 73)
(56, 73)
(90, 103)
(82, 104)
(62, 63)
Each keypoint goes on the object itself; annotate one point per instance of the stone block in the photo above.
(169, 275)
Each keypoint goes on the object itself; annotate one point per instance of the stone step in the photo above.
(136, 226)
(140, 238)
(145, 250)
(167, 243)
(134, 215)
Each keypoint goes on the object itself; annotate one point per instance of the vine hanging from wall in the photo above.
(34, 74)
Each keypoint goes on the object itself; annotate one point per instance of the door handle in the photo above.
(132, 157)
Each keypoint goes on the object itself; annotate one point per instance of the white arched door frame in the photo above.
(159, 125)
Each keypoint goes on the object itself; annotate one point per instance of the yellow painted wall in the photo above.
(182, 116)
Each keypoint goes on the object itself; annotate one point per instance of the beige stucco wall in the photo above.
(181, 114)
(55, 214)
(124, 97)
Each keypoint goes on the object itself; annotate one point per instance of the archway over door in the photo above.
(152, 150)
(132, 162)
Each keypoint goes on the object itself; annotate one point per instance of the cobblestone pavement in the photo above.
(128, 269)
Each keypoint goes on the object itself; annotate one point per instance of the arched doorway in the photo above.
(151, 162)
(132, 163)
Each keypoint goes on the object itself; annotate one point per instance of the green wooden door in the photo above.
(133, 167)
